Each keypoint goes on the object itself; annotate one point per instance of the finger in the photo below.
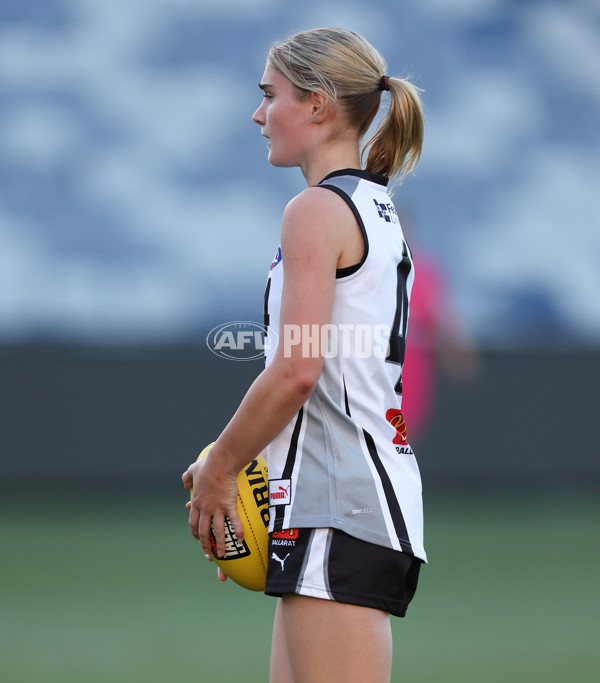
(187, 479)
(188, 504)
(218, 528)
(194, 520)
(221, 575)
(204, 526)
(237, 523)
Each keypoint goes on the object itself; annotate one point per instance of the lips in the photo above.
(268, 139)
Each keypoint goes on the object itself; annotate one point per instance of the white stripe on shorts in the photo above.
(313, 580)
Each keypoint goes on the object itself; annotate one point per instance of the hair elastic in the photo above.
(384, 83)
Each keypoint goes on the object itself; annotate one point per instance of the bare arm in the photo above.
(315, 230)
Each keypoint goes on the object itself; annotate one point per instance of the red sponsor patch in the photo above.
(289, 534)
(396, 419)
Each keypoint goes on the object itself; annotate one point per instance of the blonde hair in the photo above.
(348, 70)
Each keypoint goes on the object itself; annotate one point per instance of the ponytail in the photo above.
(348, 70)
(395, 147)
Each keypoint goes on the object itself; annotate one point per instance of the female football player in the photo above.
(346, 537)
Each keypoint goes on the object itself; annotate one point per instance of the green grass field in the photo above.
(118, 591)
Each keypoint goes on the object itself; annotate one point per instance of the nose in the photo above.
(258, 117)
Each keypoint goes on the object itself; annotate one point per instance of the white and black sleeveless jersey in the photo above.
(344, 461)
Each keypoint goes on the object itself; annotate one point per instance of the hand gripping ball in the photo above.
(246, 562)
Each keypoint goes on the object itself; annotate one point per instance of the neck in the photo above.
(324, 162)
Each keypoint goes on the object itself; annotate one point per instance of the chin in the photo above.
(280, 163)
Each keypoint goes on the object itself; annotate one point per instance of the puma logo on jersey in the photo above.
(280, 491)
(274, 556)
(283, 492)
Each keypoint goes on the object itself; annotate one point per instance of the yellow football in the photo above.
(246, 562)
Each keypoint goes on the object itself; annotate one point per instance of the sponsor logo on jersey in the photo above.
(396, 419)
(276, 259)
(387, 211)
(285, 537)
(275, 556)
(241, 340)
(280, 491)
(290, 534)
(233, 548)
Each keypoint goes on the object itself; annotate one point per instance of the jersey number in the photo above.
(398, 334)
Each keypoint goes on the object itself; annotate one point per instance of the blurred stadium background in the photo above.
(124, 132)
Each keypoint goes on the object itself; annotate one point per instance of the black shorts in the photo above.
(330, 564)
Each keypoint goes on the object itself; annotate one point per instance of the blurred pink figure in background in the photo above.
(437, 341)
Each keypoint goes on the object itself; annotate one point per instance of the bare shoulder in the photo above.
(318, 210)
(318, 202)
(315, 227)
(320, 220)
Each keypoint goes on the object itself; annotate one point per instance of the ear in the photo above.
(319, 106)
